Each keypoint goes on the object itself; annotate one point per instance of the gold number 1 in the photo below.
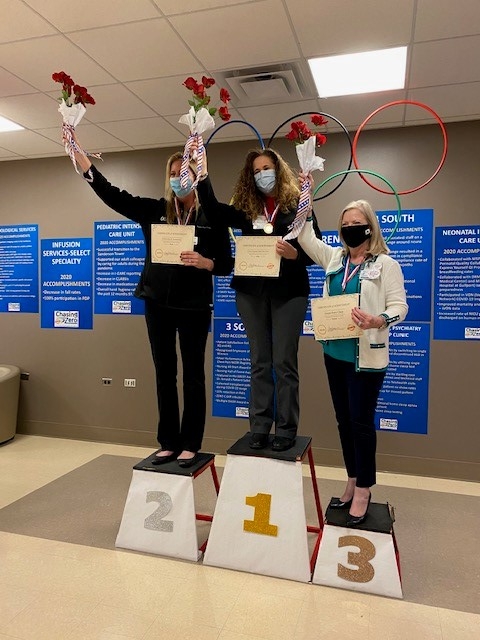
(261, 518)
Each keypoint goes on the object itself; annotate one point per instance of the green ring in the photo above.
(377, 175)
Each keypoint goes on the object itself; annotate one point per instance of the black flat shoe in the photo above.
(282, 444)
(336, 503)
(354, 521)
(185, 463)
(258, 441)
(164, 459)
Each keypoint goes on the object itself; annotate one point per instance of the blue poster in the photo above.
(403, 402)
(412, 246)
(224, 305)
(67, 275)
(19, 268)
(231, 369)
(457, 283)
(119, 259)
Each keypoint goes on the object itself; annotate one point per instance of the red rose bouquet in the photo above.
(305, 142)
(72, 107)
(199, 119)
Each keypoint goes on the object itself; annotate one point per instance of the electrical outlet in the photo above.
(106, 381)
(129, 382)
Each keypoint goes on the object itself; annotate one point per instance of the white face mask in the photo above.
(265, 180)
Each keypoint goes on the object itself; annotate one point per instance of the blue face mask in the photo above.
(265, 180)
(179, 191)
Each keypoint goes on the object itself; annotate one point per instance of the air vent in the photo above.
(279, 83)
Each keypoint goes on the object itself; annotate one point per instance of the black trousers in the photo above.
(355, 395)
(273, 329)
(192, 327)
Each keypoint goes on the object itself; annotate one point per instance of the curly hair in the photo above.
(169, 194)
(248, 198)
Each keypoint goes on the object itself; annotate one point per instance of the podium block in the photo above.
(259, 524)
(364, 558)
(159, 515)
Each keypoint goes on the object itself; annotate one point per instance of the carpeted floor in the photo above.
(436, 532)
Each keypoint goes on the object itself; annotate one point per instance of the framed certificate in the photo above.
(257, 256)
(169, 240)
(332, 317)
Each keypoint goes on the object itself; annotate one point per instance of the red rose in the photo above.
(318, 120)
(321, 139)
(292, 135)
(200, 91)
(207, 82)
(224, 113)
(224, 96)
(190, 83)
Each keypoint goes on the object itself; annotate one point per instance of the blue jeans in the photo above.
(355, 395)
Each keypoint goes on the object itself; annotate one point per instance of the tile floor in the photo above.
(58, 591)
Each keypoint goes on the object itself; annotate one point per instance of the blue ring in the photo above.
(262, 144)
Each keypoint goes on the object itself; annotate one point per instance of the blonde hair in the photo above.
(169, 194)
(377, 242)
(248, 198)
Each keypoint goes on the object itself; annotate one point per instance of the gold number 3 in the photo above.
(360, 559)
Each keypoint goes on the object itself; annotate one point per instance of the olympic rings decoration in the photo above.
(385, 106)
(327, 115)
(262, 144)
(377, 175)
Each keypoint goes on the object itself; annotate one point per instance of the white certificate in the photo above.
(169, 240)
(257, 256)
(332, 317)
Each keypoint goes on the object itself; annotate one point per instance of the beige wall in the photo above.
(64, 396)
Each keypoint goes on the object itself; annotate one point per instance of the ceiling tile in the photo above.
(19, 22)
(449, 101)
(12, 86)
(152, 132)
(28, 142)
(137, 50)
(167, 96)
(445, 62)
(353, 110)
(5, 154)
(35, 60)
(267, 118)
(115, 102)
(170, 7)
(244, 35)
(331, 27)
(31, 111)
(92, 13)
(444, 19)
(91, 137)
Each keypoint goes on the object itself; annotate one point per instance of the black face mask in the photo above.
(356, 234)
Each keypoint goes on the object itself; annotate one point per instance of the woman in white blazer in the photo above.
(356, 367)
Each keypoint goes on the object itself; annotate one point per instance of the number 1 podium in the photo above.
(168, 526)
(259, 523)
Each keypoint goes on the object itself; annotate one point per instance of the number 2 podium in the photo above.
(259, 523)
(159, 515)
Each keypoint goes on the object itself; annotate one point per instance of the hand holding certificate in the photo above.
(257, 256)
(332, 317)
(169, 240)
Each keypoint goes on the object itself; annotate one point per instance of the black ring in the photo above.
(327, 115)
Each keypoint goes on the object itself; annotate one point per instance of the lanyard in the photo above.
(271, 217)
(179, 217)
(348, 276)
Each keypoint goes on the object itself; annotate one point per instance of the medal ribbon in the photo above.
(179, 217)
(348, 276)
(271, 217)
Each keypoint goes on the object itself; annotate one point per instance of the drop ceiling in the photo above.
(133, 56)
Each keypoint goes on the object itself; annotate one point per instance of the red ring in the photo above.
(391, 104)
